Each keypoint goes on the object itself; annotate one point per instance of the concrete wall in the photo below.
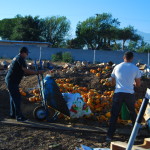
(9, 51)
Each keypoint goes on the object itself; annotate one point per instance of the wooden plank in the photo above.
(57, 126)
(146, 144)
(117, 145)
(76, 126)
(122, 146)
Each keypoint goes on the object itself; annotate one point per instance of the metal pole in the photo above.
(148, 65)
(40, 53)
(94, 58)
(39, 81)
(148, 58)
(138, 120)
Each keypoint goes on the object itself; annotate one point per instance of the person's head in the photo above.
(128, 57)
(24, 52)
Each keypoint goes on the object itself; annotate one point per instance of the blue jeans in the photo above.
(15, 99)
(118, 100)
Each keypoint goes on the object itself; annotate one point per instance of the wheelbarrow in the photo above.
(42, 112)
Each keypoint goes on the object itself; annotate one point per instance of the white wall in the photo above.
(10, 51)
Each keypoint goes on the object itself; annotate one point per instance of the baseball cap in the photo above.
(24, 50)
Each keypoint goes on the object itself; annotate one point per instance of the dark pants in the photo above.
(118, 100)
(15, 99)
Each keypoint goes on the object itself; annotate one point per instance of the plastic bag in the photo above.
(84, 147)
(77, 107)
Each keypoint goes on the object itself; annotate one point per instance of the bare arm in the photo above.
(113, 81)
(137, 82)
(31, 72)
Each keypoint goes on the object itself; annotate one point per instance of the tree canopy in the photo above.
(55, 30)
(28, 28)
(97, 32)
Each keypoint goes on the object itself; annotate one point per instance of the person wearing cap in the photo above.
(16, 71)
(124, 76)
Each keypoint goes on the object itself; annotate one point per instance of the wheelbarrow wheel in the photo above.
(40, 113)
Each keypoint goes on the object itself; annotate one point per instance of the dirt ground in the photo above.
(17, 137)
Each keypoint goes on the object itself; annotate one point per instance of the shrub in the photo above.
(66, 57)
(57, 57)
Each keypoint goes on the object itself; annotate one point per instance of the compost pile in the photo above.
(88, 80)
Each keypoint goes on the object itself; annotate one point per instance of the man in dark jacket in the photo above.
(17, 70)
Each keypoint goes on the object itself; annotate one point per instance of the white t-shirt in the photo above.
(125, 73)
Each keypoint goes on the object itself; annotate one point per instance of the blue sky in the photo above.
(128, 12)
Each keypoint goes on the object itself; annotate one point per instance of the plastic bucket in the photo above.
(125, 115)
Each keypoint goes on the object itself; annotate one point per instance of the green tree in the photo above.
(27, 28)
(95, 31)
(75, 43)
(55, 30)
(132, 46)
(128, 33)
(112, 38)
(6, 28)
(145, 47)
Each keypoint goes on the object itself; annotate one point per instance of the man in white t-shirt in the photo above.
(125, 76)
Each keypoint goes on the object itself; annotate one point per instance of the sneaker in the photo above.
(22, 119)
(108, 139)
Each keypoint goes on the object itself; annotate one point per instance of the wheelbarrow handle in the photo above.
(36, 68)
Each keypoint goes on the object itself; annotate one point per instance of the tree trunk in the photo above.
(108, 42)
(123, 44)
